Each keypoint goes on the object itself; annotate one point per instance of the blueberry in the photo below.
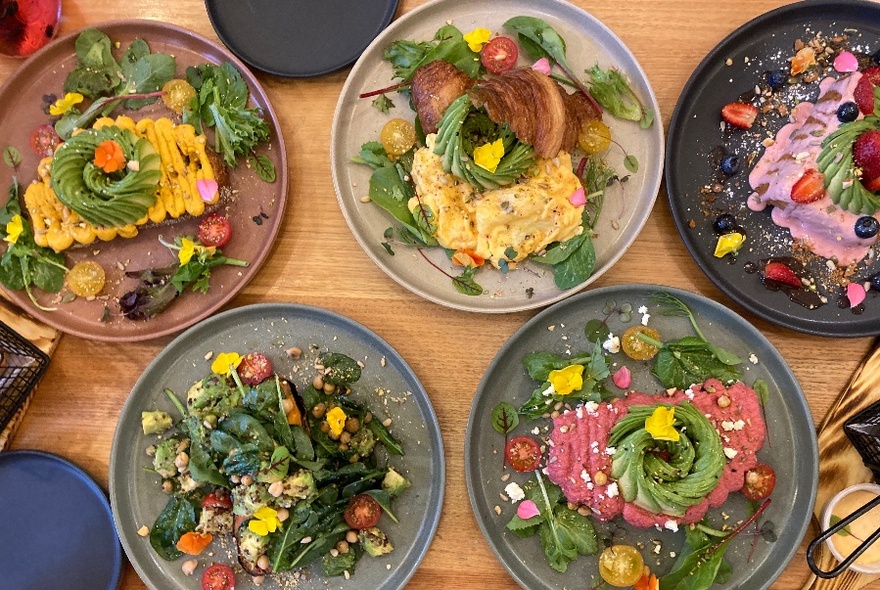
(724, 223)
(777, 79)
(729, 164)
(867, 227)
(848, 111)
(875, 281)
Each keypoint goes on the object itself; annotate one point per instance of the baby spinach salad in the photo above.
(607, 459)
(493, 184)
(289, 476)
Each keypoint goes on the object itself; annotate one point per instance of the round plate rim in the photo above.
(803, 324)
(799, 402)
(135, 25)
(181, 343)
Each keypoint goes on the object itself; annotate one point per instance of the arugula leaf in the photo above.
(611, 90)
(383, 103)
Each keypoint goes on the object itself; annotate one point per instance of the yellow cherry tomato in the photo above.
(177, 95)
(397, 137)
(594, 137)
(621, 565)
(86, 278)
(637, 349)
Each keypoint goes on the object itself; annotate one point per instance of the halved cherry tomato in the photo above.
(523, 453)
(362, 512)
(254, 368)
(499, 54)
(215, 230)
(621, 565)
(44, 140)
(218, 499)
(759, 482)
(397, 137)
(218, 576)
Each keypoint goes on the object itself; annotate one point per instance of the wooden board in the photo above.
(840, 465)
(39, 334)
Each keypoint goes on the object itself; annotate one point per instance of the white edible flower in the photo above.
(514, 492)
(612, 344)
(643, 309)
(645, 318)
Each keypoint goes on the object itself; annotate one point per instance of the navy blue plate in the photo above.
(299, 38)
(57, 529)
(765, 43)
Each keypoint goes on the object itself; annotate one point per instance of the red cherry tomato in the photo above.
(215, 230)
(759, 482)
(362, 512)
(218, 576)
(523, 453)
(499, 54)
(44, 140)
(218, 499)
(254, 368)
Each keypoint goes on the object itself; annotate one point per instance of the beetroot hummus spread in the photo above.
(580, 458)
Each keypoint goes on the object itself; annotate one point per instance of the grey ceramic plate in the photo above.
(273, 328)
(531, 286)
(792, 448)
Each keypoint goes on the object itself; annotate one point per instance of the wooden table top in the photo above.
(76, 407)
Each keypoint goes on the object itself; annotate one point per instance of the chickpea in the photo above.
(342, 546)
(287, 404)
(352, 425)
(294, 352)
(258, 580)
(318, 382)
(351, 536)
(189, 566)
(600, 478)
(167, 486)
(181, 461)
(283, 514)
(345, 437)
(723, 401)
(354, 458)
(276, 488)
(325, 428)
(329, 388)
(182, 445)
(368, 417)
(319, 410)
(343, 447)
(246, 480)
(235, 479)
(332, 435)
(263, 562)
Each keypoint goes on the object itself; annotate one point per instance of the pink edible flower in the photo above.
(207, 189)
(622, 378)
(527, 509)
(542, 65)
(846, 62)
(578, 198)
(855, 292)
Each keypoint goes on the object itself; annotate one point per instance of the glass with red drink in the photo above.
(27, 25)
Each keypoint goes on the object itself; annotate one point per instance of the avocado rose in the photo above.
(111, 199)
(659, 473)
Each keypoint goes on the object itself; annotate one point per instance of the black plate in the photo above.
(299, 38)
(57, 527)
(762, 44)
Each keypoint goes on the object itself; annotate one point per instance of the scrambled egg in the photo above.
(523, 218)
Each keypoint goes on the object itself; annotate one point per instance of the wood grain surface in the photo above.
(316, 261)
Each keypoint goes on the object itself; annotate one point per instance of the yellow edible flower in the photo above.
(488, 155)
(566, 380)
(336, 420)
(477, 38)
(62, 105)
(660, 424)
(225, 363)
(728, 243)
(14, 229)
(188, 249)
(265, 521)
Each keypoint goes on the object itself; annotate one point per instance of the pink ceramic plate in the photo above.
(256, 211)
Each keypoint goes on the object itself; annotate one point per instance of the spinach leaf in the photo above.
(611, 90)
(577, 266)
(385, 437)
(384, 500)
(339, 564)
(690, 360)
(97, 72)
(339, 369)
(539, 364)
(243, 460)
(179, 516)
(201, 465)
(247, 429)
(448, 45)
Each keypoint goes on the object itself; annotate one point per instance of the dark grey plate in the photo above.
(792, 448)
(762, 44)
(273, 328)
(57, 530)
(299, 38)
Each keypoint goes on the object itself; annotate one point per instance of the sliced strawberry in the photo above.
(809, 187)
(866, 154)
(739, 114)
(781, 273)
(864, 92)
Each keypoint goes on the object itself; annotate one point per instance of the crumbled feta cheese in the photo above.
(753, 358)
(549, 391)
(536, 431)
(612, 344)
(739, 425)
(591, 407)
(727, 425)
(730, 453)
(514, 492)
(645, 318)
(610, 450)
(585, 476)
(643, 309)
(671, 525)
(612, 490)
